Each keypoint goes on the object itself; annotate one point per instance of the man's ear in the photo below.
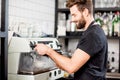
(85, 12)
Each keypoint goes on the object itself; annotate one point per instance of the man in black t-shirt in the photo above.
(89, 60)
(94, 43)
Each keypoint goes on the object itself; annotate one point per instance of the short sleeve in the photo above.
(91, 44)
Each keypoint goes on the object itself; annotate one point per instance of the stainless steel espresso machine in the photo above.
(26, 64)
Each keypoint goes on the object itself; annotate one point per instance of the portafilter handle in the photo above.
(32, 45)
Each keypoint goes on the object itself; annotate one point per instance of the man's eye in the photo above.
(74, 15)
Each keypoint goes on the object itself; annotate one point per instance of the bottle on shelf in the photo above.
(116, 25)
(110, 23)
(62, 4)
(98, 18)
(105, 23)
(119, 23)
(68, 24)
(73, 27)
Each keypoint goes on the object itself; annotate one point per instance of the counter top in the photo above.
(113, 75)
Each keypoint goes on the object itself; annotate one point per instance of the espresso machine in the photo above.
(26, 64)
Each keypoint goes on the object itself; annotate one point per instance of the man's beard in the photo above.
(81, 23)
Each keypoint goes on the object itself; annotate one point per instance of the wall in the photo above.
(36, 13)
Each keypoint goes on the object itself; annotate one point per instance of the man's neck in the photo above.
(88, 22)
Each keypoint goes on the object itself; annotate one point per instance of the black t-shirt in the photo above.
(93, 41)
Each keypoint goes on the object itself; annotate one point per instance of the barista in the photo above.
(88, 61)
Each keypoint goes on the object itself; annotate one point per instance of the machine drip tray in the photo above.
(32, 73)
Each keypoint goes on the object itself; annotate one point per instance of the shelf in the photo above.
(109, 37)
(78, 34)
(72, 35)
(77, 37)
(69, 37)
(63, 10)
(106, 9)
(113, 75)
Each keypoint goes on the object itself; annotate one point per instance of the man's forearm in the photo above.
(60, 60)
